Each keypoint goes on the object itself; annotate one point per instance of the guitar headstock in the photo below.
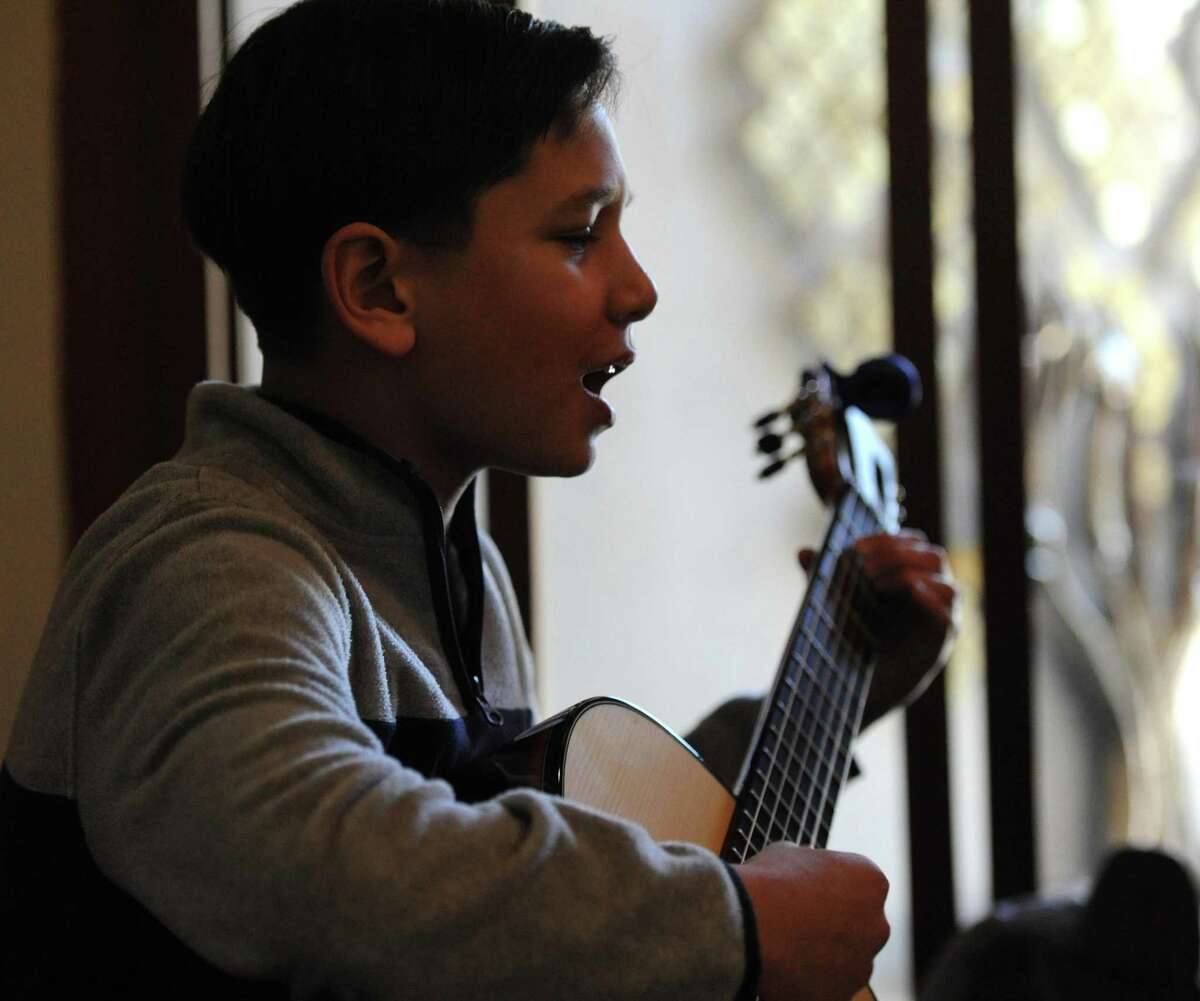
(832, 414)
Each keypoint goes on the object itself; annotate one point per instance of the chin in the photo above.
(583, 461)
(563, 465)
(566, 470)
(584, 466)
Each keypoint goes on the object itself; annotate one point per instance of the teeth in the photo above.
(594, 380)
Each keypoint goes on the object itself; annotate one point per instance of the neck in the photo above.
(373, 411)
(802, 755)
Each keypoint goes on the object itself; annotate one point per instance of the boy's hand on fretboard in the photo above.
(916, 619)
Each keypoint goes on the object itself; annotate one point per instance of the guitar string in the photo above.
(783, 717)
(818, 734)
(777, 711)
(826, 769)
(813, 681)
(798, 765)
(853, 649)
(857, 649)
(830, 768)
(836, 732)
(860, 641)
(782, 713)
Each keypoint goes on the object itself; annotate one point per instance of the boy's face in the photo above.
(543, 295)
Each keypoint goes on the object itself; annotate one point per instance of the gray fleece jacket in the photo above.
(235, 764)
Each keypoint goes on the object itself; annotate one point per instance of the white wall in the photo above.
(667, 574)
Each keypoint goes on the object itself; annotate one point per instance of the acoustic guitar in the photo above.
(611, 755)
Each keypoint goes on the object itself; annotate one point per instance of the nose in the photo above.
(634, 296)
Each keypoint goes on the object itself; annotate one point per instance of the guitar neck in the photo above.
(801, 754)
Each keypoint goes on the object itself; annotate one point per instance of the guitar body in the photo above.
(612, 756)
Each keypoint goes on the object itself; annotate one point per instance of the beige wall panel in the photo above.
(32, 506)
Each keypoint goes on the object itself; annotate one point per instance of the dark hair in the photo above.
(394, 112)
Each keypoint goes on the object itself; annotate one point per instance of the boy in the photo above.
(250, 760)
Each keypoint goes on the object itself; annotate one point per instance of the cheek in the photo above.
(546, 329)
(571, 311)
(534, 311)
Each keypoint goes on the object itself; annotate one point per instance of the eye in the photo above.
(578, 240)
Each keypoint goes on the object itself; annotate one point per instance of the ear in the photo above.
(368, 287)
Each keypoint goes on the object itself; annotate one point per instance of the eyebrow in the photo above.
(603, 195)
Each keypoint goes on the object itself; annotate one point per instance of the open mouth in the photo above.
(594, 380)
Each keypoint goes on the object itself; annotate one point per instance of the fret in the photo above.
(809, 722)
(813, 775)
(832, 789)
(809, 716)
(771, 770)
(793, 768)
(815, 771)
(742, 847)
(802, 756)
(818, 682)
(839, 705)
(803, 727)
(754, 794)
(782, 767)
(864, 601)
(789, 789)
(821, 838)
(805, 770)
(838, 629)
(817, 685)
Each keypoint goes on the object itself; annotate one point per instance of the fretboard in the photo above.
(801, 757)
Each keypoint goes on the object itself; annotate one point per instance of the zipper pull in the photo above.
(491, 714)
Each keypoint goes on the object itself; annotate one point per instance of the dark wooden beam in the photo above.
(914, 329)
(133, 288)
(508, 525)
(1000, 326)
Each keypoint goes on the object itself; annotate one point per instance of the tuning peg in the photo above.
(887, 388)
(778, 464)
(766, 419)
(769, 444)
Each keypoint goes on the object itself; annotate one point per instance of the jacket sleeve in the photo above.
(225, 780)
